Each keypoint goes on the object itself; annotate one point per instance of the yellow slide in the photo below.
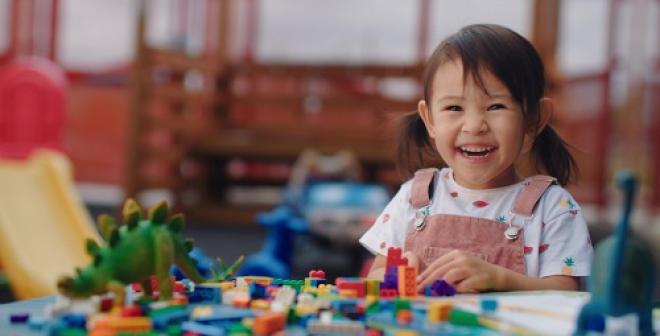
(43, 223)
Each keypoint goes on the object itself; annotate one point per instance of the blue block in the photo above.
(201, 329)
(36, 322)
(161, 320)
(206, 294)
(257, 291)
(488, 305)
(78, 321)
(225, 314)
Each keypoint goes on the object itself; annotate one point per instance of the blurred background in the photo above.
(210, 104)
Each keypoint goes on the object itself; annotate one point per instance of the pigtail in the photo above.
(414, 148)
(552, 153)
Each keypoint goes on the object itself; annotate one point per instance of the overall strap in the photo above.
(421, 193)
(531, 193)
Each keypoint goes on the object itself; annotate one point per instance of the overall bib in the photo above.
(434, 235)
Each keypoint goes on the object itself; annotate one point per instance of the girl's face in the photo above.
(478, 134)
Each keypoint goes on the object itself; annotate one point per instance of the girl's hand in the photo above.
(466, 272)
(412, 259)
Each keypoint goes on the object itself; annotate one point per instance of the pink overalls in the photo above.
(495, 242)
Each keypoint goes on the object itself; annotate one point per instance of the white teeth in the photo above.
(472, 149)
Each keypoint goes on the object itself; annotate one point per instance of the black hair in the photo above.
(514, 61)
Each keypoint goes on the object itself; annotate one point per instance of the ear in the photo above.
(425, 114)
(546, 109)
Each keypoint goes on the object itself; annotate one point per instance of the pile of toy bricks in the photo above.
(263, 306)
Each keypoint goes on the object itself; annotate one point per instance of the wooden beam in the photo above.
(545, 31)
(328, 70)
(134, 151)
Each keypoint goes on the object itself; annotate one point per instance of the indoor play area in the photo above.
(218, 167)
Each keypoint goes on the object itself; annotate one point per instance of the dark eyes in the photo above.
(496, 107)
(458, 108)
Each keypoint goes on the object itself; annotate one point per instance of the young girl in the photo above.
(476, 223)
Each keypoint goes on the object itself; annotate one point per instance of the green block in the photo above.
(239, 329)
(72, 332)
(399, 304)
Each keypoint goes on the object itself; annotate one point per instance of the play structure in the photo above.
(33, 105)
(43, 223)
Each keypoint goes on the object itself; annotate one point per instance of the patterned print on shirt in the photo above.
(383, 245)
(480, 204)
(528, 249)
(386, 218)
(501, 219)
(453, 194)
(567, 203)
(573, 213)
(567, 269)
(543, 247)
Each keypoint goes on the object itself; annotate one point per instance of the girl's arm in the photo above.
(377, 270)
(510, 280)
(469, 273)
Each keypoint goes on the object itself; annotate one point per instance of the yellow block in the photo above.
(438, 311)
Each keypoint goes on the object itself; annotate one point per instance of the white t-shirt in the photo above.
(556, 239)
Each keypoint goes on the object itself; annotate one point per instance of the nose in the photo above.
(474, 123)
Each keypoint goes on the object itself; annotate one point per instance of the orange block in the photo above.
(268, 323)
(407, 281)
(115, 324)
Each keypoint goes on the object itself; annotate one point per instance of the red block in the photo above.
(388, 293)
(394, 258)
(355, 284)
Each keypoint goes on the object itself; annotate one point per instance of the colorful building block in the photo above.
(317, 274)
(407, 281)
(197, 328)
(439, 288)
(387, 293)
(438, 311)
(391, 278)
(373, 287)
(268, 323)
(488, 305)
(336, 327)
(394, 258)
(206, 293)
(356, 284)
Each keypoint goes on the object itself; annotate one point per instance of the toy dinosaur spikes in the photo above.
(158, 213)
(114, 237)
(132, 213)
(143, 248)
(92, 247)
(177, 222)
(106, 225)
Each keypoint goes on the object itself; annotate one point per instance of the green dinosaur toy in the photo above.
(134, 252)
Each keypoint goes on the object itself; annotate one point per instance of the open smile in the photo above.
(475, 152)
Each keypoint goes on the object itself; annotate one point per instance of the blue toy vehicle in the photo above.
(317, 202)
